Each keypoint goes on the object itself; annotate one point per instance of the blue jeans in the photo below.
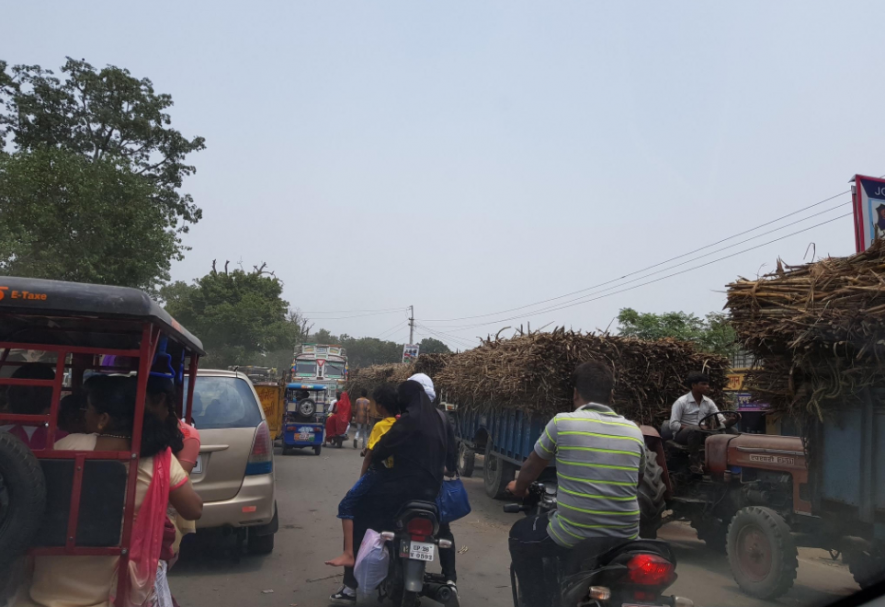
(359, 489)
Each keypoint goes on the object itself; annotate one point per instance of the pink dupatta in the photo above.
(147, 534)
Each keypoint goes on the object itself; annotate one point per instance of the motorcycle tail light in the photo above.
(650, 570)
(421, 527)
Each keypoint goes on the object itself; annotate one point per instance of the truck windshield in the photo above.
(306, 367)
(334, 369)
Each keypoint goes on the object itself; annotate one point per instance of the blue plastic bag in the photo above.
(452, 501)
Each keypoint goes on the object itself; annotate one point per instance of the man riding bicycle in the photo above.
(599, 458)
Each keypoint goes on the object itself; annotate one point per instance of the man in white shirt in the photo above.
(687, 412)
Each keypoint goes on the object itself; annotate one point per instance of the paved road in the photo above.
(308, 491)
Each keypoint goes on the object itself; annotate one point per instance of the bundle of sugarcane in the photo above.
(369, 378)
(817, 329)
(431, 364)
(533, 373)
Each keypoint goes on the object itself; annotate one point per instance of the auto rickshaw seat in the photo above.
(102, 500)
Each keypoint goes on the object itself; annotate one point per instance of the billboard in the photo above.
(869, 210)
(410, 353)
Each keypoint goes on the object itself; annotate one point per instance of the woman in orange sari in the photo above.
(337, 423)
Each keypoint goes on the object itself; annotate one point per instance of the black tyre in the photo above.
(259, 544)
(318, 449)
(286, 450)
(410, 599)
(307, 408)
(496, 473)
(22, 500)
(761, 552)
(865, 568)
(354, 444)
(651, 497)
(466, 460)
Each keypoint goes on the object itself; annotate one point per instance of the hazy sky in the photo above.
(473, 157)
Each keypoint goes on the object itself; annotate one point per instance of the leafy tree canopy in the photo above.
(85, 145)
(240, 316)
(713, 333)
(430, 345)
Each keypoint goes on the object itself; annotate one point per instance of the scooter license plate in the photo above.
(421, 551)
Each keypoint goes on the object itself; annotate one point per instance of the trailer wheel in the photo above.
(865, 568)
(22, 500)
(496, 474)
(651, 497)
(761, 552)
(466, 460)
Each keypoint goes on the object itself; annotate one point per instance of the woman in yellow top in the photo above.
(386, 405)
(89, 581)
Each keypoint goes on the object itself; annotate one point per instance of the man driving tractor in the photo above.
(686, 415)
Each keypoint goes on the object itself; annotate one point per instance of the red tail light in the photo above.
(650, 570)
(419, 528)
(261, 457)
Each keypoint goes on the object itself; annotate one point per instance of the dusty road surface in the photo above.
(308, 491)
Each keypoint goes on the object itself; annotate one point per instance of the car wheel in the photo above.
(259, 544)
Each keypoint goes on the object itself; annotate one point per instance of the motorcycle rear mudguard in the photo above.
(413, 575)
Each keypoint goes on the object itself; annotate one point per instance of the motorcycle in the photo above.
(631, 574)
(411, 547)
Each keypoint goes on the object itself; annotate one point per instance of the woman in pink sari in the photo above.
(65, 581)
(337, 423)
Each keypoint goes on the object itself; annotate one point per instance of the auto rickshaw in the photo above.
(77, 503)
(305, 422)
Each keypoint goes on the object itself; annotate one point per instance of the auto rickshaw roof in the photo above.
(42, 311)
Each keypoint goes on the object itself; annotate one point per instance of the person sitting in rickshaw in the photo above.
(31, 400)
(63, 581)
(386, 402)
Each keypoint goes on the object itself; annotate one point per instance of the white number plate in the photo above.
(420, 551)
(198, 467)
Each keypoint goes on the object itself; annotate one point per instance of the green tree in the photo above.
(240, 316)
(91, 143)
(430, 345)
(713, 333)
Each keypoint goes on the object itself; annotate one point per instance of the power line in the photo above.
(356, 311)
(458, 341)
(354, 316)
(707, 246)
(569, 305)
(390, 330)
(644, 276)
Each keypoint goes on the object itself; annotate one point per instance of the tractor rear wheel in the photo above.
(651, 497)
(761, 552)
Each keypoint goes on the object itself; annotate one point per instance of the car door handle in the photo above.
(212, 448)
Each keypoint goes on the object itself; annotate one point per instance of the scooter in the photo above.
(633, 573)
(411, 547)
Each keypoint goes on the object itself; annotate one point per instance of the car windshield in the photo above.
(224, 402)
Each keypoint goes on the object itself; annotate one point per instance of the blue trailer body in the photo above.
(512, 433)
(851, 469)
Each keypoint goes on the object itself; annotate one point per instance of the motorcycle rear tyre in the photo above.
(410, 599)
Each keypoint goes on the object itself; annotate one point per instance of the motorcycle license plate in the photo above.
(420, 551)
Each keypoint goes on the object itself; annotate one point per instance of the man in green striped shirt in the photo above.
(599, 457)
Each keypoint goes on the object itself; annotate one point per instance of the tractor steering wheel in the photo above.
(731, 418)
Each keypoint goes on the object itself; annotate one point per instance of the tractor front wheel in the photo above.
(761, 552)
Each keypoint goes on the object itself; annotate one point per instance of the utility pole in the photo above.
(411, 325)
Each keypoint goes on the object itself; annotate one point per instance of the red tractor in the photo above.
(750, 500)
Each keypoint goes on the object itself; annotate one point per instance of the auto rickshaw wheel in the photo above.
(22, 500)
(318, 449)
